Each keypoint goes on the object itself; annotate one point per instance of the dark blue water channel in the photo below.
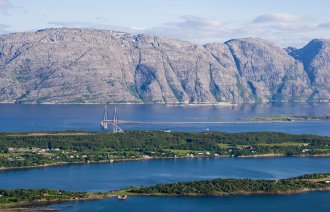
(316, 201)
(105, 177)
(14, 117)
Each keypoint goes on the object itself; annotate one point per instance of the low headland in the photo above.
(40, 149)
(287, 118)
(218, 187)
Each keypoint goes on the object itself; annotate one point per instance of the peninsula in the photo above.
(22, 150)
(286, 118)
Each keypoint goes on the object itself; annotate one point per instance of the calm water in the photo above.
(316, 201)
(87, 117)
(105, 177)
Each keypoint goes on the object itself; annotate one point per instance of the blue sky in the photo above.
(285, 22)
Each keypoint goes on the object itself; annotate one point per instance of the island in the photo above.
(38, 149)
(216, 187)
(286, 118)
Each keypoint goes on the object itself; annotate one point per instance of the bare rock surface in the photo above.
(100, 66)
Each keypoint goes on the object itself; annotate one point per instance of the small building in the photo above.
(304, 150)
(327, 181)
(11, 149)
(146, 156)
(248, 147)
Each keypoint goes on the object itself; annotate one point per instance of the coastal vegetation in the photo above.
(29, 197)
(216, 187)
(219, 187)
(41, 149)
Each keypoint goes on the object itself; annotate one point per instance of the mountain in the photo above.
(100, 66)
(315, 57)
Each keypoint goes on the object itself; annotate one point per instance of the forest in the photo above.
(35, 149)
(238, 186)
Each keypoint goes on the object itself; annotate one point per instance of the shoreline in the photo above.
(58, 164)
(40, 204)
(232, 193)
(229, 103)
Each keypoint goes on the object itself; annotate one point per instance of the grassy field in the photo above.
(283, 144)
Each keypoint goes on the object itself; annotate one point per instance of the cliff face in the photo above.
(98, 66)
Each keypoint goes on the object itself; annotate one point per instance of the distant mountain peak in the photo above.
(64, 65)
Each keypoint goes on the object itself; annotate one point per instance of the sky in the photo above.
(284, 22)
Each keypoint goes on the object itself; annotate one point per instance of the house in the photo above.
(146, 156)
(11, 149)
(248, 147)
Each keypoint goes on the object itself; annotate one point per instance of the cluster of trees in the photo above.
(223, 186)
(29, 195)
(134, 144)
(155, 139)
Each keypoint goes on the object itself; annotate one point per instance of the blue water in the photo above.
(105, 177)
(14, 117)
(316, 201)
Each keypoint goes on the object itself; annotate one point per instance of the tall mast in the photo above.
(105, 116)
(115, 118)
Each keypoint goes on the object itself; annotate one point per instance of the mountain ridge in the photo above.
(102, 66)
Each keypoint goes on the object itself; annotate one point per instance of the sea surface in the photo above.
(315, 201)
(110, 176)
(16, 117)
(105, 177)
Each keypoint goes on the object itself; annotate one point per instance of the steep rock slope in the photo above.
(315, 57)
(99, 66)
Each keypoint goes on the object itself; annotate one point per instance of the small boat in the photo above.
(122, 197)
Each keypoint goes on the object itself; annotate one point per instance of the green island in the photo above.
(286, 118)
(217, 187)
(25, 150)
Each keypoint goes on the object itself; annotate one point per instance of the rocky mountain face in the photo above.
(99, 66)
